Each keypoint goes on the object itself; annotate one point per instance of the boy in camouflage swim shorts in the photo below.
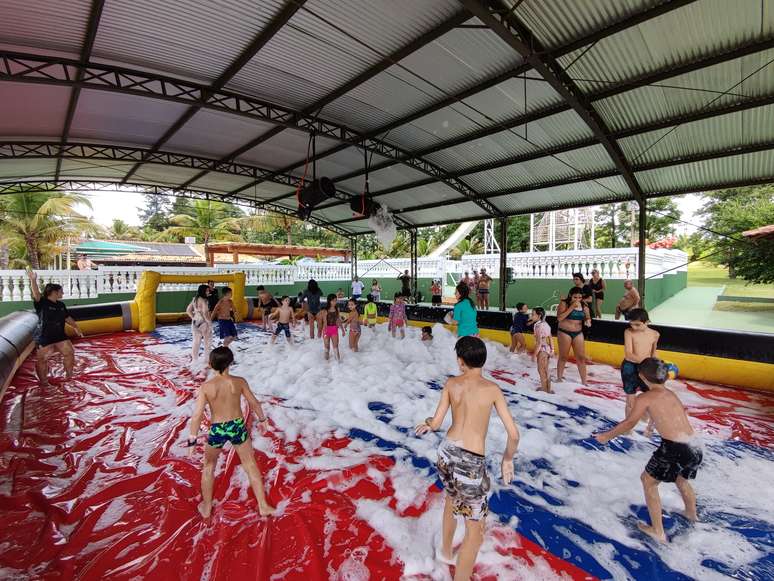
(461, 462)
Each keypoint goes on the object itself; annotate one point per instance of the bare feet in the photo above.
(440, 556)
(648, 431)
(205, 511)
(266, 509)
(691, 516)
(651, 532)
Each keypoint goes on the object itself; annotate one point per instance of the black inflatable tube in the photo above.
(747, 346)
(16, 331)
(92, 312)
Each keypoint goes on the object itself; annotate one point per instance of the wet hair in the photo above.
(471, 350)
(573, 291)
(226, 291)
(370, 298)
(211, 281)
(541, 312)
(464, 292)
(427, 329)
(640, 315)
(201, 292)
(313, 287)
(334, 298)
(654, 370)
(578, 275)
(397, 296)
(284, 297)
(260, 288)
(221, 358)
(51, 287)
(520, 306)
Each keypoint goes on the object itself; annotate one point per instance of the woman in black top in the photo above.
(311, 299)
(597, 286)
(50, 335)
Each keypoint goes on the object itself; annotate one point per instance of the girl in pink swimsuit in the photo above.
(398, 316)
(332, 326)
(544, 346)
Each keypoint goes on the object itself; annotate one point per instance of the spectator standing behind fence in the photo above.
(376, 291)
(357, 289)
(435, 293)
(598, 286)
(405, 283)
(484, 282)
(630, 301)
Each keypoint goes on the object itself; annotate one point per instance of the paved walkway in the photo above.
(693, 307)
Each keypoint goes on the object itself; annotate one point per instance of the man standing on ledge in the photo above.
(405, 281)
(630, 301)
(484, 281)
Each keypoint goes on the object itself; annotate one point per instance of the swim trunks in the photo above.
(630, 377)
(464, 478)
(673, 459)
(436, 300)
(226, 328)
(283, 327)
(233, 431)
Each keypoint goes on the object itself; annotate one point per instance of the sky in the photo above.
(106, 206)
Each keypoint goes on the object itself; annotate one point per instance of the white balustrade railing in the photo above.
(616, 263)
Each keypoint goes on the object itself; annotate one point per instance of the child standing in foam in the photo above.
(461, 461)
(225, 314)
(370, 312)
(640, 342)
(544, 346)
(376, 291)
(332, 326)
(398, 316)
(285, 318)
(201, 323)
(518, 328)
(353, 321)
(223, 394)
(678, 457)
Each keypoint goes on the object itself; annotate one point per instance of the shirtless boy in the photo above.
(640, 342)
(677, 459)
(50, 335)
(484, 282)
(630, 300)
(461, 462)
(285, 319)
(223, 394)
(225, 313)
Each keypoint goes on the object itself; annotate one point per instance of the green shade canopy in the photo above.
(102, 247)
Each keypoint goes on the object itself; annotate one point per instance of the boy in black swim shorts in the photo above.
(679, 456)
(225, 313)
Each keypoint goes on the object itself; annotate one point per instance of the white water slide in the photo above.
(464, 229)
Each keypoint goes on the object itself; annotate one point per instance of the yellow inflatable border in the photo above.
(145, 299)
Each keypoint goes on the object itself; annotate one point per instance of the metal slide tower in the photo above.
(571, 229)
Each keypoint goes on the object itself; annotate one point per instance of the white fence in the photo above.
(617, 263)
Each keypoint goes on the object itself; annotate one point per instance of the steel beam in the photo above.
(503, 263)
(630, 21)
(75, 92)
(643, 229)
(277, 23)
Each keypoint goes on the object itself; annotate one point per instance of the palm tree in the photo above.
(470, 245)
(265, 223)
(120, 230)
(37, 221)
(208, 223)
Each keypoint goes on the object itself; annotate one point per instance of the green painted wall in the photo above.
(533, 292)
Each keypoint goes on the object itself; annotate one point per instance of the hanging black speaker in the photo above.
(364, 207)
(316, 192)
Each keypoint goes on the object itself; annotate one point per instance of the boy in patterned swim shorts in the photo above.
(223, 393)
(461, 462)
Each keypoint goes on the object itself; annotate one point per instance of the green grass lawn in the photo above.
(705, 274)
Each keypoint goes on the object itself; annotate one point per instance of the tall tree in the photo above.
(728, 213)
(120, 230)
(208, 223)
(155, 214)
(37, 221)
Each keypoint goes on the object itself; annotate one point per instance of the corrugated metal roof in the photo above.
(195, 38)
(32, 110)
(582, 193)
(94, 169)
(388, 177)
(19, 169)
(164, 175)
(47, 25)
(283, 149)
(706, 174)
(216, 134)
(519, 175)
(118, 118)
(463, 211)
(428, 194)
(220, 182)
(506, 100)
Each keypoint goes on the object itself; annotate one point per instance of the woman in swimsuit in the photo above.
(312, 298)
(376, 291)
(544, 347)
(598, 286)
(573, 314)
(332, 326)
(353, 320)
(201, 323)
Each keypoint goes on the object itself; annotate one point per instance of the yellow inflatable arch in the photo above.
(143, 306)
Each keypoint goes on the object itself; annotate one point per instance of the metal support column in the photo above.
(503, 262)
(353, 256)
(643, 215)
(414, 269)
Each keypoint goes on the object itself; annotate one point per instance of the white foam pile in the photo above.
(599, 487)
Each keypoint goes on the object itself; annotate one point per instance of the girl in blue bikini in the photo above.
(572, 315)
